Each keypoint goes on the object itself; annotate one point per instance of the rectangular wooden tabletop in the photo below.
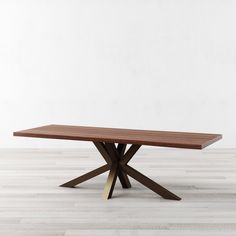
(126, 136)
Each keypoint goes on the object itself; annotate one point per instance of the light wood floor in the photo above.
(32, 204)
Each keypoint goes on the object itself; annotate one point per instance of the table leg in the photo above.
(111, 181)
(150, 183)
(116, 154)
(72, 183)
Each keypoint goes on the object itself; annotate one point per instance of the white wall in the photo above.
(150, 64)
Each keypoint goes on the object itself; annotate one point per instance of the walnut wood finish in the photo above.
(122, 175)
(123, 136)
(116, 156)
(72, 183)
(149, 183)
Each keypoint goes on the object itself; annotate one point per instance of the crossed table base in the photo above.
(117, 159)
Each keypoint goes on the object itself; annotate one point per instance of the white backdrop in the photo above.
(150, 64)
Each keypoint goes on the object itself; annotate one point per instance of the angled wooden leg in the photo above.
(124, 159)
(129, 154)
(102, 149)
(149, 183)
(111, 181)
(116, 155)
(86, 176)
(121, 149)
(123, 177)
(124, 180)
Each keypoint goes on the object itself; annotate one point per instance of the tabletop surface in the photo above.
(126, 136)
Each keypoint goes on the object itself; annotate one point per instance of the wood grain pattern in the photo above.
(125, 136)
